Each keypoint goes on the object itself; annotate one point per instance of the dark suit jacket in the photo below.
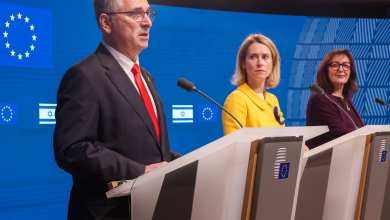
(105, 133)
(321, 111)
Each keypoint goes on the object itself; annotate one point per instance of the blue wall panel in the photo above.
(200, 45)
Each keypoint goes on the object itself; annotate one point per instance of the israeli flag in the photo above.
(47, 113)
(182, 114)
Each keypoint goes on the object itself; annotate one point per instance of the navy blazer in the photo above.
(105, 133)
(321, 111)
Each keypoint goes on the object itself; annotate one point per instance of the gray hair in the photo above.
(104, 6)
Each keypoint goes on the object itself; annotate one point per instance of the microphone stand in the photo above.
(320, 91)
(342, 110)
(190, 87)
(196, 90)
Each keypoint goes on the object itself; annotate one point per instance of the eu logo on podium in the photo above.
(384, 155)
(284, 169)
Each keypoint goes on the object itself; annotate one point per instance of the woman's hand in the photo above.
(306, 149)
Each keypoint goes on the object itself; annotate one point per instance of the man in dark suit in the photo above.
(110, 119)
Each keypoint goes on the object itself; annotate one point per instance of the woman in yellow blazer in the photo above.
(257, 68)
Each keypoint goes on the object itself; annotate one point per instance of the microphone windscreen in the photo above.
(317, 89)
(185, 84)
(380, 101)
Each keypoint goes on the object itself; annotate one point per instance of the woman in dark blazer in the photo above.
(337, 76)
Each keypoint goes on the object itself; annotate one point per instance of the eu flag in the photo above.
(26, 36)
(384, 155)
(8, 113)
(284, 170)
(207, 113)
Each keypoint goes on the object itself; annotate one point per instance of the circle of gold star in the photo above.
(8, 24)
(10, 112)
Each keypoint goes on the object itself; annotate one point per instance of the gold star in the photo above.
(26, 19)
(7, 45)
(12, 17)
(19, 16)
(20, 56)
(7, 24)
(32, 27)
(5, 34)
(27, 54)
(12, 53)
(32, 47)
(34, 38)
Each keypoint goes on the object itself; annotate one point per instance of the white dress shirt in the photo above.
(261, 95)
(127, 65)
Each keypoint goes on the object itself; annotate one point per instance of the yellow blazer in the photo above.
(250, 110)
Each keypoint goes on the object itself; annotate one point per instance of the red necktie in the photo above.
(145, 96)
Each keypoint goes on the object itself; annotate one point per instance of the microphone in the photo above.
(381, 101)
(317, 89)
(190, 87)
(186, 85)
(320, 91)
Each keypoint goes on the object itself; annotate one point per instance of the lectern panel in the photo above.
(386, 201)
(276, 177)
(312, 193)
(177, 194)
(376, 179)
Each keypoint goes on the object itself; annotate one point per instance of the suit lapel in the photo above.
(159, 107)
(259, 102)
(122, 82)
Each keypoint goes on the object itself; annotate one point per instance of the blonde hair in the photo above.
(240, 75)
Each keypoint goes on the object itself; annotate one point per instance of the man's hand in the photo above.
(306, 148)
(154, 166)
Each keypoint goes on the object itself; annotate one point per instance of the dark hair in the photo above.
(323, 75)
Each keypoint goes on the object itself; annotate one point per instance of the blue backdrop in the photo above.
(200, 45)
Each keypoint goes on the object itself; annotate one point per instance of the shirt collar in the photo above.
(123, 60)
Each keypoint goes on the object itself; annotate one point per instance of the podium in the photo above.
(251, 173)
(347, 178)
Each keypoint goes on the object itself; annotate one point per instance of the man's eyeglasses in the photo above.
(138, 16)
(336, 66)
